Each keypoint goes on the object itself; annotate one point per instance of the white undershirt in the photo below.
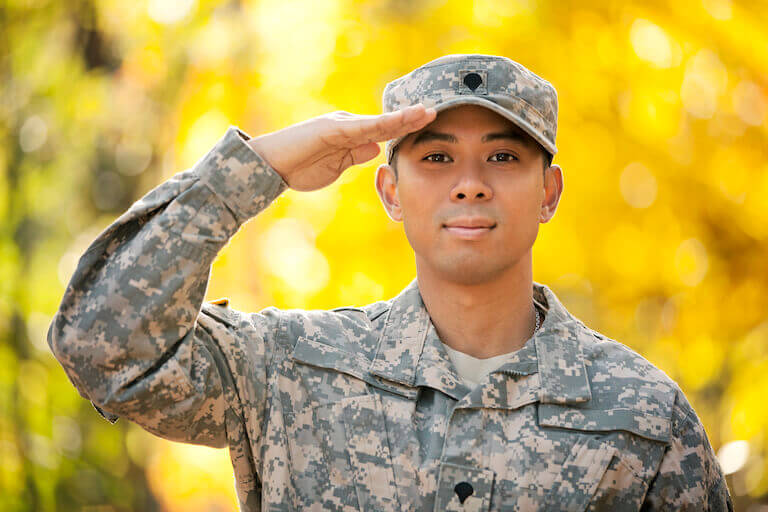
(472, 369)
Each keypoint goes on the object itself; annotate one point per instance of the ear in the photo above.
(553, 189)
(386, 187)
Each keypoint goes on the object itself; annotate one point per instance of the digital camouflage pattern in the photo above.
(360, 408)
(497, 83)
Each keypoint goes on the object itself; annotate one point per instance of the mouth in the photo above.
(468, 232)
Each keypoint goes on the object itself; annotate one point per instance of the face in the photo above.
(471, 193)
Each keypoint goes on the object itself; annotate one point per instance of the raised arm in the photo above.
(132, 333)
(127, 330)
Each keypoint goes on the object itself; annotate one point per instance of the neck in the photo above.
(483, 319)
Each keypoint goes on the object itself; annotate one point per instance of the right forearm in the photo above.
(138, 289)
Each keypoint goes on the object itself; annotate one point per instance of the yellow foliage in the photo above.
(660, 240)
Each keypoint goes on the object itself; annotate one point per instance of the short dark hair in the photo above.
(546, 156)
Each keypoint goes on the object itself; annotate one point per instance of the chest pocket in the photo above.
(608, 467)
(569, 485)
(336, 432)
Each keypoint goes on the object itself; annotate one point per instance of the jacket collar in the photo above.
(410, 352)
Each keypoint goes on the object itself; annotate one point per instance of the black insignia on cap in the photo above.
(472, 80)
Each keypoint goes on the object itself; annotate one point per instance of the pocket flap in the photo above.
(323, 355)
(314, 353)
(645, 425)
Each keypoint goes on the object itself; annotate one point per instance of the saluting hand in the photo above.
(312, 154)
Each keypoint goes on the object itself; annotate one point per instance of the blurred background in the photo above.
(660, 240)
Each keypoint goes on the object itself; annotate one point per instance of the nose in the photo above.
(471, 187)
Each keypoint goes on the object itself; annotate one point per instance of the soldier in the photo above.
(473, 389)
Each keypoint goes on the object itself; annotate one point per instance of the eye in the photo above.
(506, 157)
(440, 157)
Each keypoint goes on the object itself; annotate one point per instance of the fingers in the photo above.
(364, 153)
(402, 122)
(365, 129)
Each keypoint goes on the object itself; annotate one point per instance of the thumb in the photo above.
(364, 153)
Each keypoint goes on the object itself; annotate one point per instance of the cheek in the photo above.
(418, 210)
(521, 217)
(526, 208)
(523, 199)
(417, 220)
(415, 201)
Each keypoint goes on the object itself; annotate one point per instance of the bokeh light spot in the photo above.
(705, 79)
(638, 185)
(750, 103)
(733, 456)
(691, 261)
(132, 157)
(718, 9)
(169, 11)
(33, 134)
(652, 44)
(203, 133)
(291, 255)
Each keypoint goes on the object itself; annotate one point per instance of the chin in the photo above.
(470, 271)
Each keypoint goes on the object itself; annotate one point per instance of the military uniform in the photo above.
(360, 408)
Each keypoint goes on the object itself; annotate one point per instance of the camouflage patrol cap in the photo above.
(497, 83)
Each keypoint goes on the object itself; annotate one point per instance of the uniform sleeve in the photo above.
(690, 477)
(132, 333)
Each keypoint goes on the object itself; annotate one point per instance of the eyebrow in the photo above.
(429, 135)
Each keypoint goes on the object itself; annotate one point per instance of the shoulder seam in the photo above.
(689, 416)
(280, 332)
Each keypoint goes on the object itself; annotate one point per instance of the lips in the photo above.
(469, 227)
(470, 222)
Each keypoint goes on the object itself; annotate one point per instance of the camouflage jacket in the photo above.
(361, 408)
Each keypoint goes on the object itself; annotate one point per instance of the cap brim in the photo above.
(490, 105)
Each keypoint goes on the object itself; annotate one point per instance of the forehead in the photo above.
(470, 121)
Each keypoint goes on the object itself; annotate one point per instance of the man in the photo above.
(473, 389)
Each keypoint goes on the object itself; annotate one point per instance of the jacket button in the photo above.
(463, 490)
